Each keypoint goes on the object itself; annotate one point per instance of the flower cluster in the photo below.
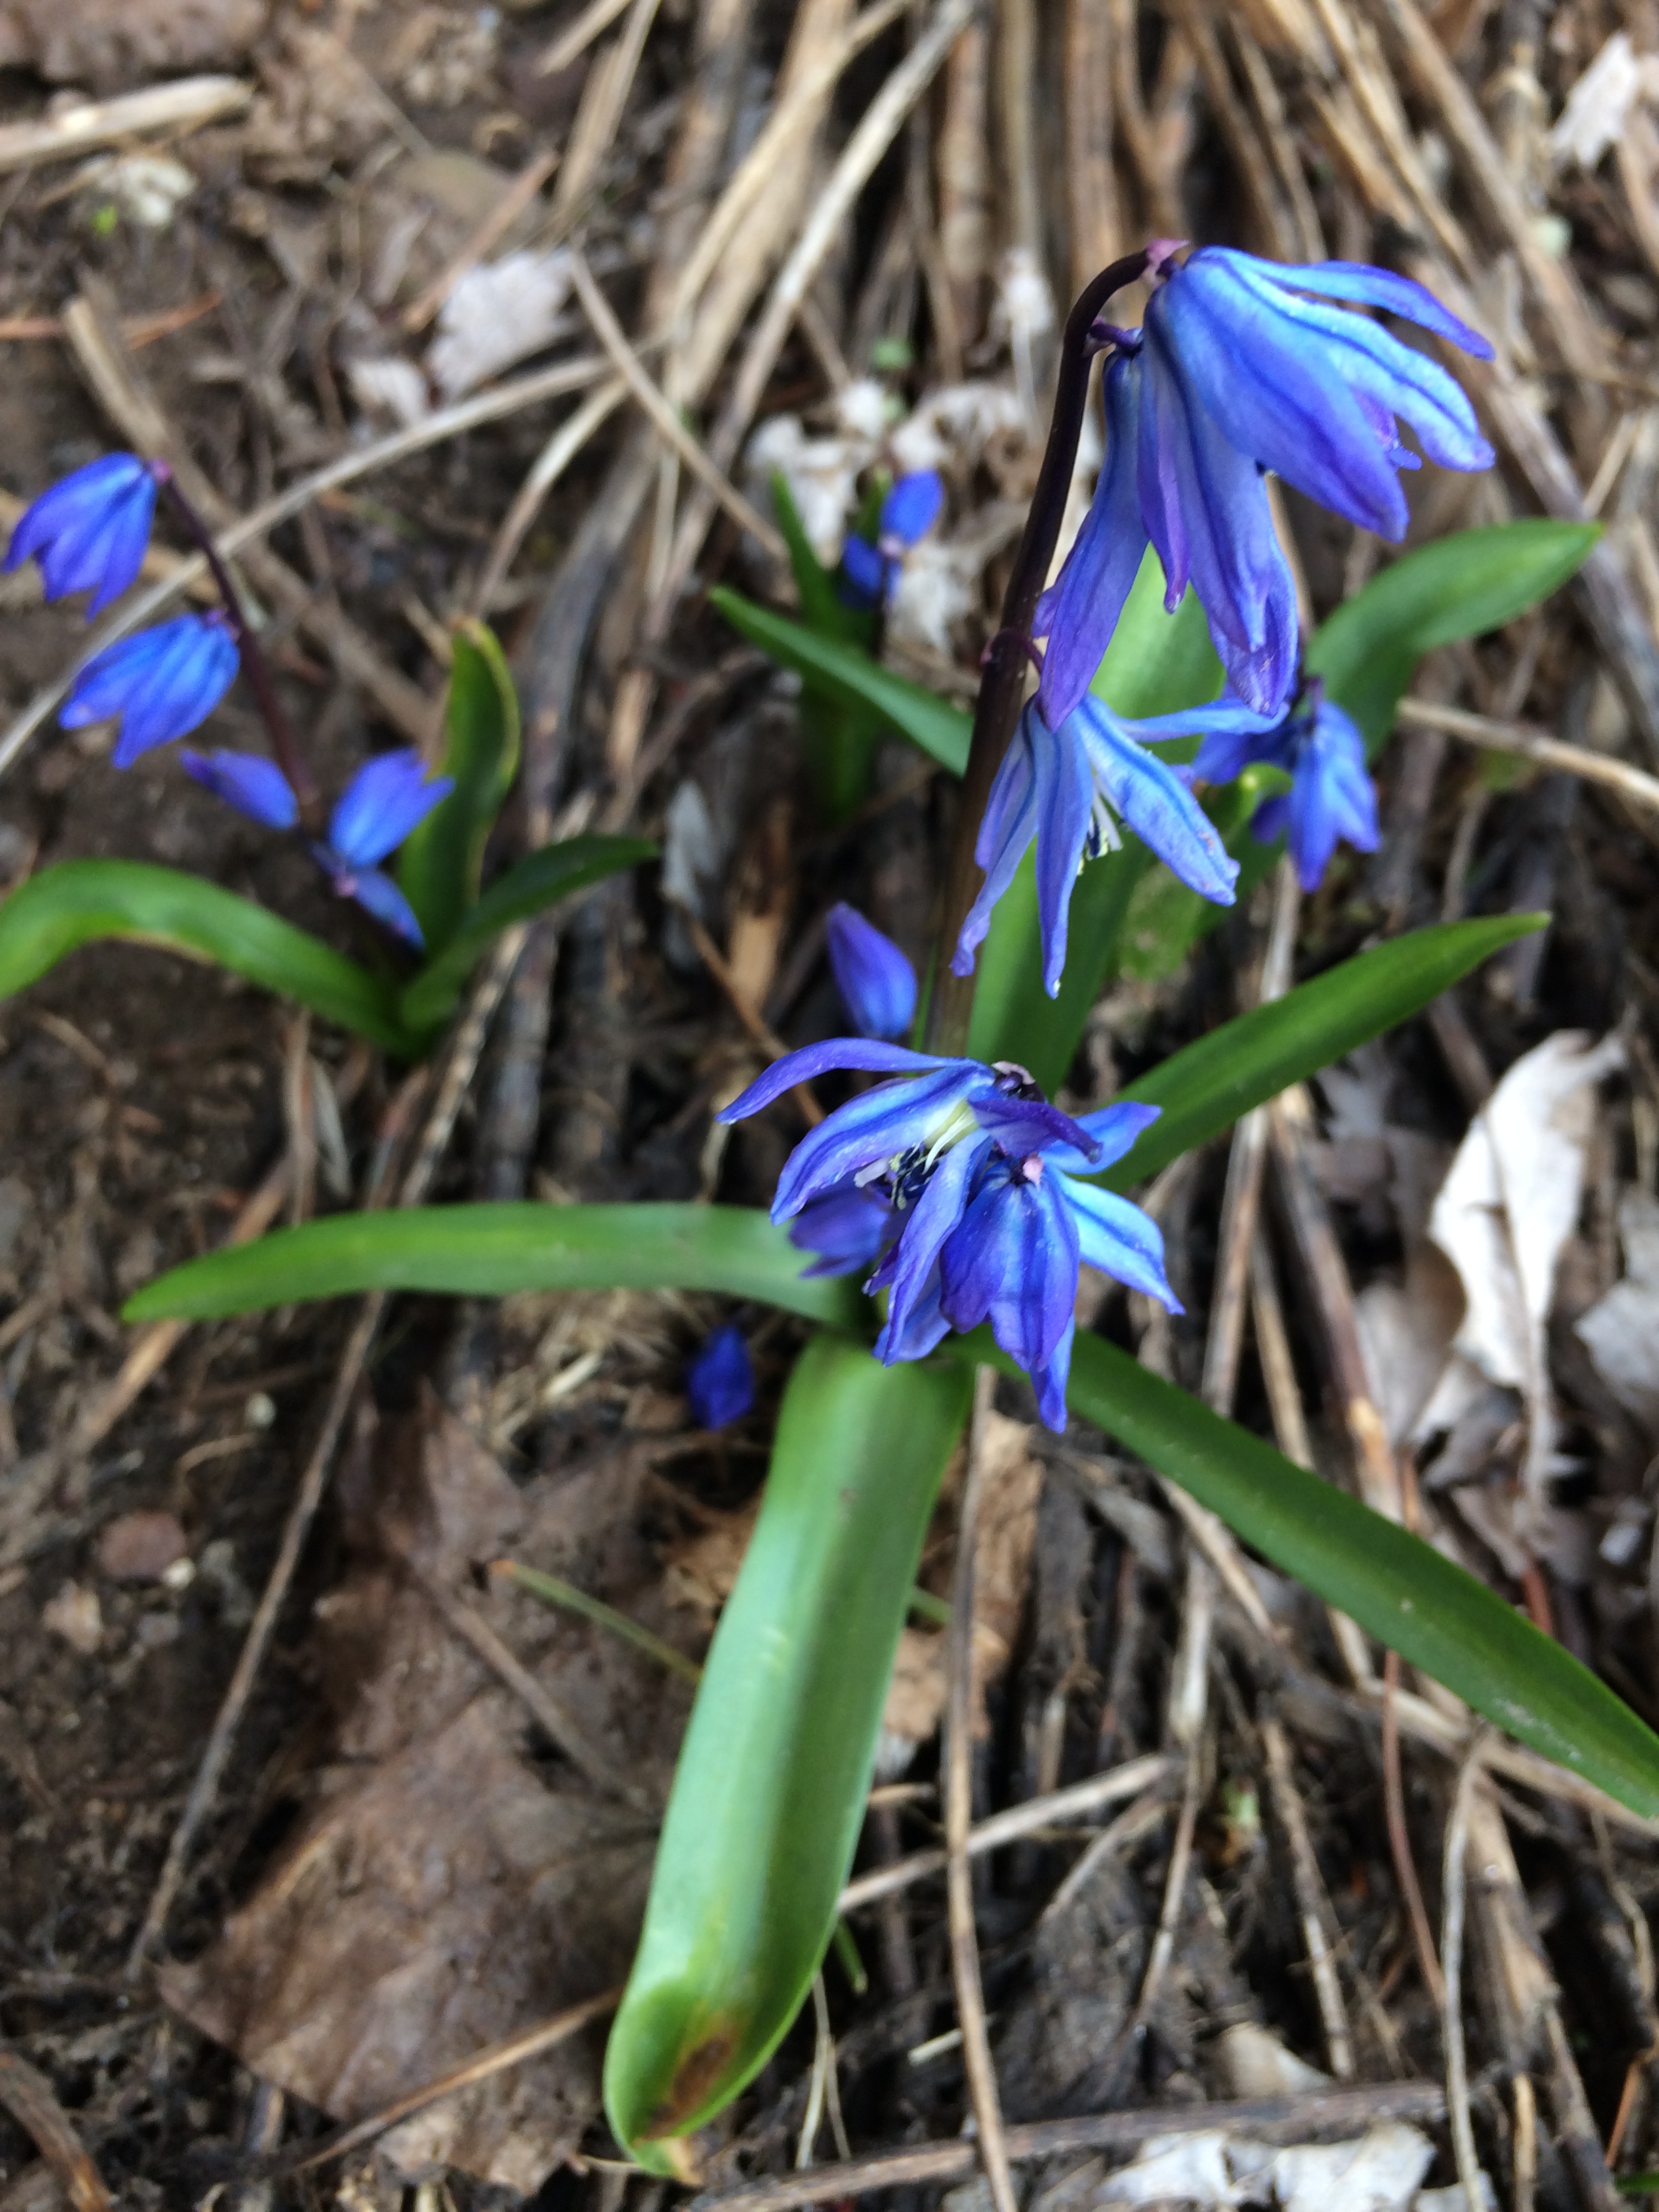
(89, 532)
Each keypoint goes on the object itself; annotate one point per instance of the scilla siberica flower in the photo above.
(382, 803)
(876, 980)
(1236, 371)
(1331, 795)
(159, 683)
(89, 530)
(719, 1383)
(870, 572)
(1062, 787)
(986, 1217)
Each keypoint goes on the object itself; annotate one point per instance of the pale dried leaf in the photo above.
(498, 314)
(1378, 2173)
(1621, 1331)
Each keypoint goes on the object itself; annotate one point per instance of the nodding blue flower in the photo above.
(161, 683)
(870, 572)
(1063, 787)
(877, 982)
(1331, 795)
(719, 1383)
(1234, 372)
(252, 784)
(89, 530)
(981, 1210)
(382, 803)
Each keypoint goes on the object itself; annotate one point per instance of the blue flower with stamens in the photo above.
(876, 980)
(870, 572)
(159, 683)
(719, 1383)
(1062, 787)
(1331, 795)
(988, 1215)
(382, 803)
(89, 530)
(1236, 370)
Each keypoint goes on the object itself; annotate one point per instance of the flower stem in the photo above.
(1002, 683)
(255, 666)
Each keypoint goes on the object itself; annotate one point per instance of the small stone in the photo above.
(141, 1548)
(75, 1615)
(260, 1411)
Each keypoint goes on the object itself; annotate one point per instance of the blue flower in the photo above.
(1062, 787)
(719, 1383)
(878, 984)
(980, 1210)
(1331, 795)
(89, 530)
(379, 807)
(161, 683)
(870, 572)
(252, 785)
(1236, 371)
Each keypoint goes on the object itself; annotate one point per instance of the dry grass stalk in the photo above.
(599, 114)
(1094, 215)
(965, 179)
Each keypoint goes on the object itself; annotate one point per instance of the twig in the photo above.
(1451, 1966)
(1311, 1900)
(550, 464)
(28, 2097)
(576, 38)
(185, 105)
(958, 1816)
(1520, 737)
(598, 116)
(465, 1048)
(720, 968)
(136, 331)
(495, 2058)
(1324, 2111)
(514, 199)
(1400, 1841)
(668, 425)
(1074, 1802)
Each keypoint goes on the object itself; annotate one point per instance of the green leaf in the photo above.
(80, 902)
(1155, 663)
(1459, 586)
(441, 863)
(769, 1795)
(845, 673)
(488, 1251)
(540, 880)
(1398, 1587)
(1207, 1086)
(820, 603)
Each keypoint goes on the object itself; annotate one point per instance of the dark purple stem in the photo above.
(256, 669)
(1002, 685)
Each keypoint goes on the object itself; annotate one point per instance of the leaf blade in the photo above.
(439, 866)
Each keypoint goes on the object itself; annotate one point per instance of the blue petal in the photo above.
(1271, 819)
(912, 507)
(1157, 806)
(719, 1383)
(382, 803)
(1050, 1381)
(88, 531)
(1008, 827)
(1064, 796)
(847, 1229)
(1032, 1125)
(910, 1265)
(922, 1328)
(866, 1055)
(876, 1127)
(1079, 612)
(877, 982)
(1013, 1261)
(1374, 288)
(379, 896)
(864, 573)
(160, 682)
(252, 785)
(1113, 1128)
(1119, 1238)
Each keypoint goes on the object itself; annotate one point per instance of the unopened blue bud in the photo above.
(878, 984)
(89, 530)
(159, 683)
(719, 1383)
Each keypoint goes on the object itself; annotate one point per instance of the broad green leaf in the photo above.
(80, 902)
(538, 881)
(1204, 1087)
(1155, 663)
(441, 865)
(1398, 1587)
(1459, 586)
(769, 1795)
(488, 1251)
(846, 673)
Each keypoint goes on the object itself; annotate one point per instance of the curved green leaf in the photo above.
(848, 674)
(441, 862)
(488, 1251)
(540, 880)
(769, 1795)
(1207, 1085)
(1398, 1587)
(80, 902)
